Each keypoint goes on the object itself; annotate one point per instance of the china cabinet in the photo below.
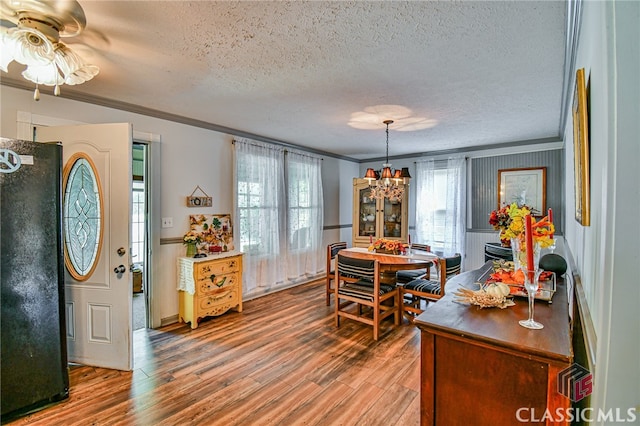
(373, 219)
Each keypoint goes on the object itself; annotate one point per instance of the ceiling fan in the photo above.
(33, 39)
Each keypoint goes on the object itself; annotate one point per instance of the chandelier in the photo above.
(387, 184)
(35, 42)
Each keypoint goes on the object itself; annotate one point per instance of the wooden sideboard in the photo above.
(479, 366)
(209, 286)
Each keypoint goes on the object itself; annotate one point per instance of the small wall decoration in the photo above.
(524, 186)
(581, 150)
(197, 201)
(215, 231)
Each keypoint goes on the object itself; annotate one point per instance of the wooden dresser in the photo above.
(480, 367)
(209, 286)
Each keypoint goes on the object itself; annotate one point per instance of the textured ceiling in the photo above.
(325, 74)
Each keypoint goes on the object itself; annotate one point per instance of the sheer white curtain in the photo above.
(441, 204)
(259, 187)
(279, 215)
(305, 215)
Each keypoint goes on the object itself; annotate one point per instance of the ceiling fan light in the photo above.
(6, 58)
(31, 46)
(72, 67)
(81, 75)
(35, 42)
(7, 46)
(47, 75)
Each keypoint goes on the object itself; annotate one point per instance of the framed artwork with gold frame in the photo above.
(581, 150)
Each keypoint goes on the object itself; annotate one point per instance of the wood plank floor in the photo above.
(280, 362)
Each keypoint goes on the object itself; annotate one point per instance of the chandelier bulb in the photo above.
(36, 94)
(56, 90)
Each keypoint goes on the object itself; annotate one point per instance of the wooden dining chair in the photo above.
(357, 285)
(332, 250)
(418, 291)
(406, 276)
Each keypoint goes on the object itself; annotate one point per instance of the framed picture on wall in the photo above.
(581, 150)
(525, 186)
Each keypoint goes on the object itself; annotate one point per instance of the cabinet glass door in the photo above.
(392, 219)
(367, 214)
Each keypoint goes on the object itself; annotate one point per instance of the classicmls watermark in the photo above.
(576, 382)
(584, 415)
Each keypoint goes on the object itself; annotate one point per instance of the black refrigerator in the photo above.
(34, 369)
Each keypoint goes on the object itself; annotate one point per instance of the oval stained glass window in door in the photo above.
(82, 216)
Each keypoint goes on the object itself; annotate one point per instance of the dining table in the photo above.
(392, 263)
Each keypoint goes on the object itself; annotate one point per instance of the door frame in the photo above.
(25, 130)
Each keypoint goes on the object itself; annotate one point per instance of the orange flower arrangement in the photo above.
(388, 245)
(510, 221)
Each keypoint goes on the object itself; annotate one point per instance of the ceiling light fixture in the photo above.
(35, 42)
(386, 184)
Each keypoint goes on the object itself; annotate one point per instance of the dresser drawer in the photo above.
(217, 303)
(217, 267)
(218, 282)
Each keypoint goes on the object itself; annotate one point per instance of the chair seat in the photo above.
(423, 286)
(410, 275)
(363, 289)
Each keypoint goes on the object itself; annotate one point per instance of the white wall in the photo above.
(190, 156)
(607, 251)
(337, 176)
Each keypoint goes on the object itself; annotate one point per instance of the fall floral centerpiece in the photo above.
(510, 220)
(383, 245)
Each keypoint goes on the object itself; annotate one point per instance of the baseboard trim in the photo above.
(169, 320)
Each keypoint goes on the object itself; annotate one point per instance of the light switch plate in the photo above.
(167, 222)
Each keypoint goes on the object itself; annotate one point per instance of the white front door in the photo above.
(99, 304)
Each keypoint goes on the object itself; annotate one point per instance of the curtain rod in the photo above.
(285, 150)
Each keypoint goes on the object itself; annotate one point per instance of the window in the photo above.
(258, 198)
(82, 216)
(279, 211)
(300, 205)
(440, 204)
(137, 222)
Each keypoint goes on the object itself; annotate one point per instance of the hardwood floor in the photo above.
(281, 361)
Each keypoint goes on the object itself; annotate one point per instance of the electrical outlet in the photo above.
(167, 222)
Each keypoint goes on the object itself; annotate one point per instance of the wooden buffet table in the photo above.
(391, 263)
(479, 366)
